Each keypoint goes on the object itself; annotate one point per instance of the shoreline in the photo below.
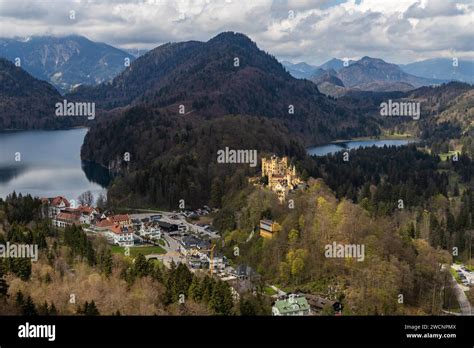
(42, 130)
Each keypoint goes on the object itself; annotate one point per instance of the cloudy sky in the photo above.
(313, 31)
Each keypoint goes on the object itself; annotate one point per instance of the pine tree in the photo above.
(195, 290)
(92, 309)
(141, 266)
(207, 285)
(221, 300)
(182, 282)
(29, 308)
(89, 309)
(24, 268)
(107, 262)
(246, 308)
(19, 299)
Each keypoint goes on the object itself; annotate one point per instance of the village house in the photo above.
(268, 228)
(119, 235)
(123, 220)
(63, 219)
(148, 230)
(122, 236)
(219, 262)
(55, 205)
(168, 228)
(88, 214)
(292, 305)
(192, 246)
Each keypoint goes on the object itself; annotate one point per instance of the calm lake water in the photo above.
(50, 164)
(355, 144)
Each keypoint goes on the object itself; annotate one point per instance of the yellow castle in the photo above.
(281, 177)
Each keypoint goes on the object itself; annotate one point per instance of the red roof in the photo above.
(116, 229)
(105, 223)
(67, 217)
(119, 218)
(58, 200)
(110, 225)
(70, 210)
(85, 209)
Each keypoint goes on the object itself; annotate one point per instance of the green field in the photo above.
(134, 251)
(269, 291)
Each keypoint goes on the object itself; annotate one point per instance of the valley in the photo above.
(221, 232)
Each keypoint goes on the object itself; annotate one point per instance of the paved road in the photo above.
(279, 291)
(172, 253)
(167, 258)
(464, 304)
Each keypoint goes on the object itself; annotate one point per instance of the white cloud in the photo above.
(398, 31)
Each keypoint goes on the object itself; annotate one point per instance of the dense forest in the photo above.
(385, 175)
(403, 250)
(28, 103)
(180, 160)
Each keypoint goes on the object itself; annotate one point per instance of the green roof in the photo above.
(295, 305)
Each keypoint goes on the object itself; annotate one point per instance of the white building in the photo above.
(292, 305)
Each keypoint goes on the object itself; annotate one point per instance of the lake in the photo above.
(49, 164)
(354, 144)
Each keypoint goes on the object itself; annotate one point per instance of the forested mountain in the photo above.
(66, 61)
(446, 112)
(175, 158)
(27, 103)
(257, 95)
(226, 75)
(399, 258)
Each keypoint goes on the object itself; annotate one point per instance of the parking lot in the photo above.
(466, 276)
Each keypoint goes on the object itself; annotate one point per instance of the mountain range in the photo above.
(66, 62)
(71, 61)
(373, 74)
(228, 74)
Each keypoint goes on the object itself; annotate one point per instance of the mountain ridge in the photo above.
(65, 61)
